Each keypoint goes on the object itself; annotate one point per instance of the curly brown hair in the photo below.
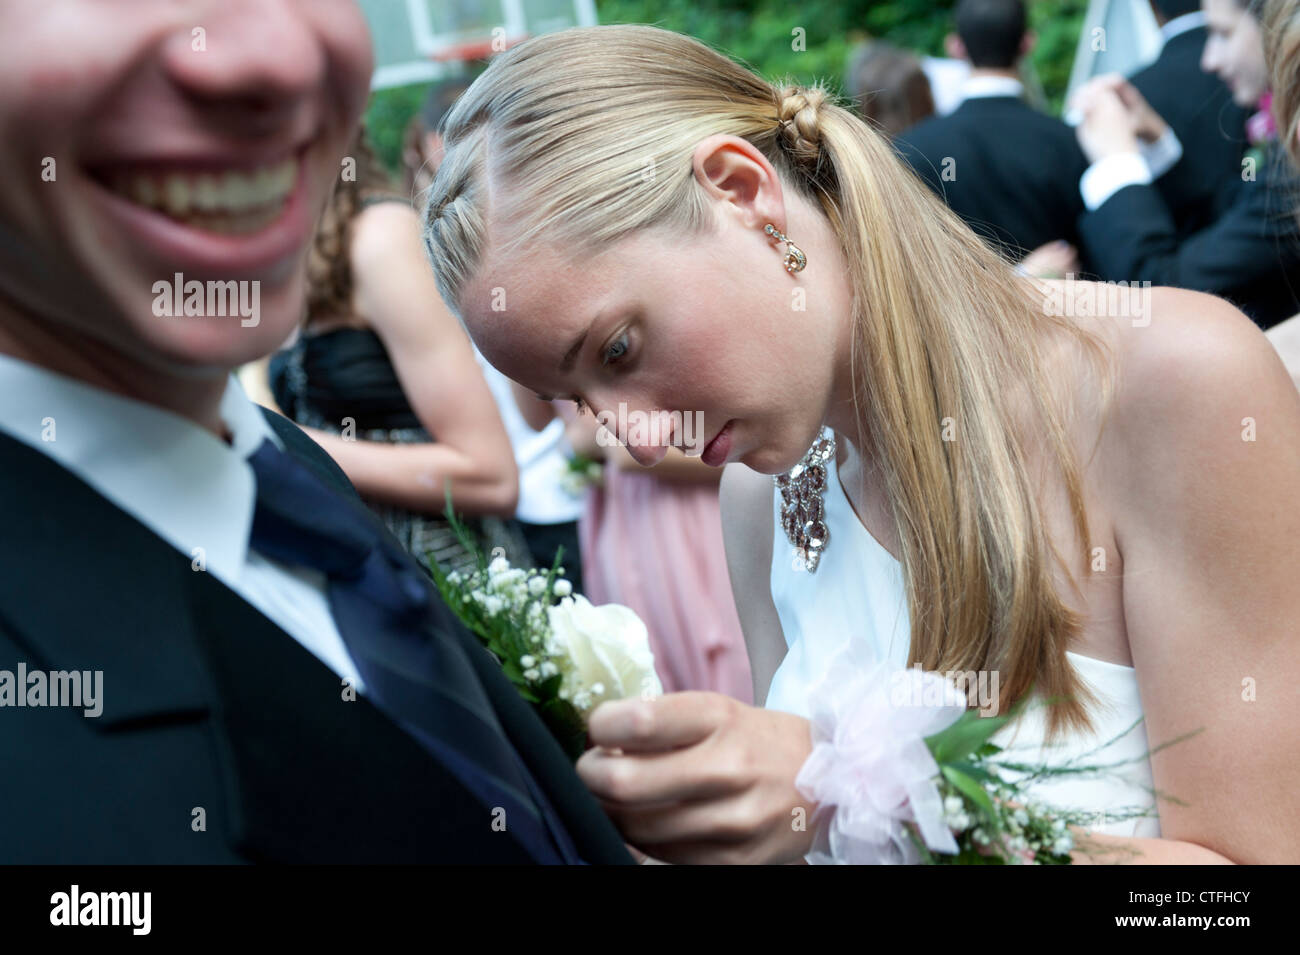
(362, 179)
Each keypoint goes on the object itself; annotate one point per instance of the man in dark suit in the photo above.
(1250, 252)
(1005, 168)
(263, 674)
(1199, 108)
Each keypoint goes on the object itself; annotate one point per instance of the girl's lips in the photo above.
(716, 451)
(186, 247)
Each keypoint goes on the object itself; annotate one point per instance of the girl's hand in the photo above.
(701, 778)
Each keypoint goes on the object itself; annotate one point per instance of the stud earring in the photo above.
(795, 260)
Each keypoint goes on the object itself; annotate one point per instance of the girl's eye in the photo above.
(616, 351)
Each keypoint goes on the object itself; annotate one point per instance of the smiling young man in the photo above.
(279, 682)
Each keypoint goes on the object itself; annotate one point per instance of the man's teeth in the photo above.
(208, 194)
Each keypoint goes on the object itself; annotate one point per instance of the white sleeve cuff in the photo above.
(1109, 175)
(1163, 153)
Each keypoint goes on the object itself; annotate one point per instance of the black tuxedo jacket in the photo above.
(1015, 172)
(208, 705)
(1250, 255)
(1211, 127)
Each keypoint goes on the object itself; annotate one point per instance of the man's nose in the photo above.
(266, 56)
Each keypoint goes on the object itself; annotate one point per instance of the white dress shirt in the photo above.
(1110, 174)
(181, 481)
(976, 87)
(1178, 25)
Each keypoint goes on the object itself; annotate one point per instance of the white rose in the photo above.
(607, 647)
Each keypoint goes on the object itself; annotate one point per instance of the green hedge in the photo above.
(760, 33)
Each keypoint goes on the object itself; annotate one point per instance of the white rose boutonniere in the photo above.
(562, 655)
(607, 650)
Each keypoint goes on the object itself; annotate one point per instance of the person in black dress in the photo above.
(383, 377)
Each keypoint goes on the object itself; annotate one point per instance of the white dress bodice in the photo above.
(857, 594)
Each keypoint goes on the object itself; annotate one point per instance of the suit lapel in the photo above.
(580, 814)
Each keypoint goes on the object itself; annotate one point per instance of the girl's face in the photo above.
(1235, 51)
(712, 327)
(161, 138)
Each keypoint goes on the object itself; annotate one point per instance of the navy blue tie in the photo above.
(385, 609)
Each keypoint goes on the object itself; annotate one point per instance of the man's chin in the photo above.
(205, 347)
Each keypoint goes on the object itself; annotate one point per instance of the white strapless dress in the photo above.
(857, 594)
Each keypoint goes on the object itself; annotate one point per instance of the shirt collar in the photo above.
(178, 479)
(1178, 25)
(985, 86)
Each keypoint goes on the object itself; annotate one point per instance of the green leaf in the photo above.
(964, 737)
(969, 788)
(974, 770)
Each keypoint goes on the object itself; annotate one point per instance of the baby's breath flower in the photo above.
(527, 660)
(562, 588)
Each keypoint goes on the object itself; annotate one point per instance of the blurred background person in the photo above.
(1198, 106)
(1004, 167)
(549, 509)
(383, 377)
(888, 87)
(1281, 22)
(1250, 253)
(422, 142)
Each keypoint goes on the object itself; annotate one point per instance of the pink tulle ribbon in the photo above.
(870, 770)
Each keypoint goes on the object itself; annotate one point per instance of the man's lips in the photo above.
(207, 218)
(225, 197)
